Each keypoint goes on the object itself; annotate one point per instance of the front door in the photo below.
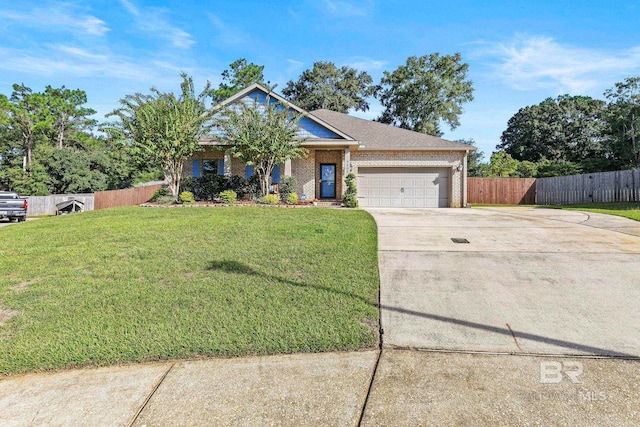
(328, 181)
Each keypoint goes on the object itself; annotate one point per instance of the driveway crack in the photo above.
(515, 340)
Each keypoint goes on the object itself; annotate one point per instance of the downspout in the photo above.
(464, 179)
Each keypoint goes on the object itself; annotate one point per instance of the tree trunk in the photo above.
(264, 184)
(61, 136)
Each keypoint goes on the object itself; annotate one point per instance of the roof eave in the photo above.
(365, 148)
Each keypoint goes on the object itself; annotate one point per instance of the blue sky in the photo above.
(518, 52)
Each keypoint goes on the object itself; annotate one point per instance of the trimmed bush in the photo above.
(159, 193)
(292, 199)
(287, 186)
(229, 197)
(349, 199)
(270, 199)
(186, 197)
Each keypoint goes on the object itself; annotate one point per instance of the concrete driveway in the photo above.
(530, 281)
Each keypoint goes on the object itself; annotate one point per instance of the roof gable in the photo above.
(311, 127)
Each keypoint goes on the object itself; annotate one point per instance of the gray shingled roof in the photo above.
(379, 136)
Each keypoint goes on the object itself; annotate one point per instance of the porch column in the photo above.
(227, 163)
(287, 168)
(347, 161)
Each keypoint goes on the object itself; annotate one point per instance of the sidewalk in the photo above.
(330, 389)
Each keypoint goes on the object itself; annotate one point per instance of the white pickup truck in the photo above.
(12, 206)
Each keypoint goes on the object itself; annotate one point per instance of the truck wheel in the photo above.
(22, 219)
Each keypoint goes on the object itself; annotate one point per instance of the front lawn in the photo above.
(142, 284)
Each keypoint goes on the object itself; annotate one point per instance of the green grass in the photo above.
(143, 284)
(626, 209)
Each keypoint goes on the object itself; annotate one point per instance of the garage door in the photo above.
(403, 187)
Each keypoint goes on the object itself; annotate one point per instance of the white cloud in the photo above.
(70, 61)
(152, 21)
(130, 7)
(345, 9)
(228, 35)
(540, 62)
(59, 17)
(366, 64)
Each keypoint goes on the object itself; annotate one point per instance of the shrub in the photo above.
(270, 199)
(292, 199)
(160, 193)
(187, 183)
(253, 187)
(229, 197)
(186, 197)
(209, 187)
(349, 199)
(287, 186)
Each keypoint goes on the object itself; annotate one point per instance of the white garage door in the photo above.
(403, 187)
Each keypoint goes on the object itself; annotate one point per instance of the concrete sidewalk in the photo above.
(291, 390)
(411, 388)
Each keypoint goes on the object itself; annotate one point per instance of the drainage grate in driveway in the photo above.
(459, 240)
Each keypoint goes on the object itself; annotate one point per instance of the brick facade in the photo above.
(306, 170)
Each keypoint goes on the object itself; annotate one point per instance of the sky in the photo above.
(519, 52)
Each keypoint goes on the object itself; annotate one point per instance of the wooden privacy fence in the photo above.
(46, 205)
(618, 186)
(127, 197)
(501, 191)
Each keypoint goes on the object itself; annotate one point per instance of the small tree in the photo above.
(240, 75)
(262, 135)
(503, 165)
(164, 128)
(349, 199)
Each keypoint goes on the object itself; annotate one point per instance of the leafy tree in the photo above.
(624, 121)
(547, 168)
(262, 135)
(526, 169)
(503, 165)
(568, 128)
(240, 75)
(164, 128)
(26, 116)
(72, 170)
(425, 92)
(68, 116)
(326, 86)
(475, 166)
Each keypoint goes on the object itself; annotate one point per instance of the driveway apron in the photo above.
(529, 281)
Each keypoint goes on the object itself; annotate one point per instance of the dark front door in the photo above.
(328, 181)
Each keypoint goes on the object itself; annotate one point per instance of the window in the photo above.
(209, 167)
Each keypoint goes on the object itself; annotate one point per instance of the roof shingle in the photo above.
(379, 136)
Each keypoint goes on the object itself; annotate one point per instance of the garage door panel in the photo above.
(403, 187)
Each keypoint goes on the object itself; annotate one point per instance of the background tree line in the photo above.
(569, 135)
(49, 142)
